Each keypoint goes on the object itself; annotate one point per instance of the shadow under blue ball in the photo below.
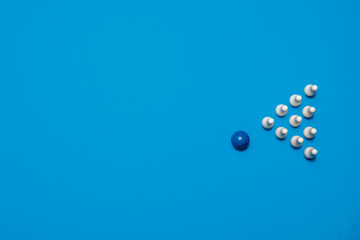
(240, 140)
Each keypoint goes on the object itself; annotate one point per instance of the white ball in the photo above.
(310, 153)
(268, 122)
(310, 90)
(281, 132)
(295, 120)
(308, 111)
(281, 110)
(309, 132)
(295, 100)
(296, 141)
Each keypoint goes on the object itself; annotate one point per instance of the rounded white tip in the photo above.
(300, 140)
(312, 109)
(314, 152)
(270, 120)
(298, 98)
(314, 88)
(284, 131)
(298, 119)
(313, 131)
(284, 108)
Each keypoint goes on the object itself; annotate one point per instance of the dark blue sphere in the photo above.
(240, 140)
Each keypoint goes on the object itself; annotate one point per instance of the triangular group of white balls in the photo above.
(295, 121)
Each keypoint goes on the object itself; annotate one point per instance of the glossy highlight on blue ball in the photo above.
(240, 140)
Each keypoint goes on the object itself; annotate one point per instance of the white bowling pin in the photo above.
(295, 100)
(281, 132)
(309, 132)
(310, 90)
(296, 141)
(310, 153)
(281, 110)
(295, 120)
(308, 111)
(268, 122)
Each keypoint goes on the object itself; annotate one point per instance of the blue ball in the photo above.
(240, 140)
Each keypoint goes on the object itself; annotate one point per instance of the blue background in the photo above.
(116, 118)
